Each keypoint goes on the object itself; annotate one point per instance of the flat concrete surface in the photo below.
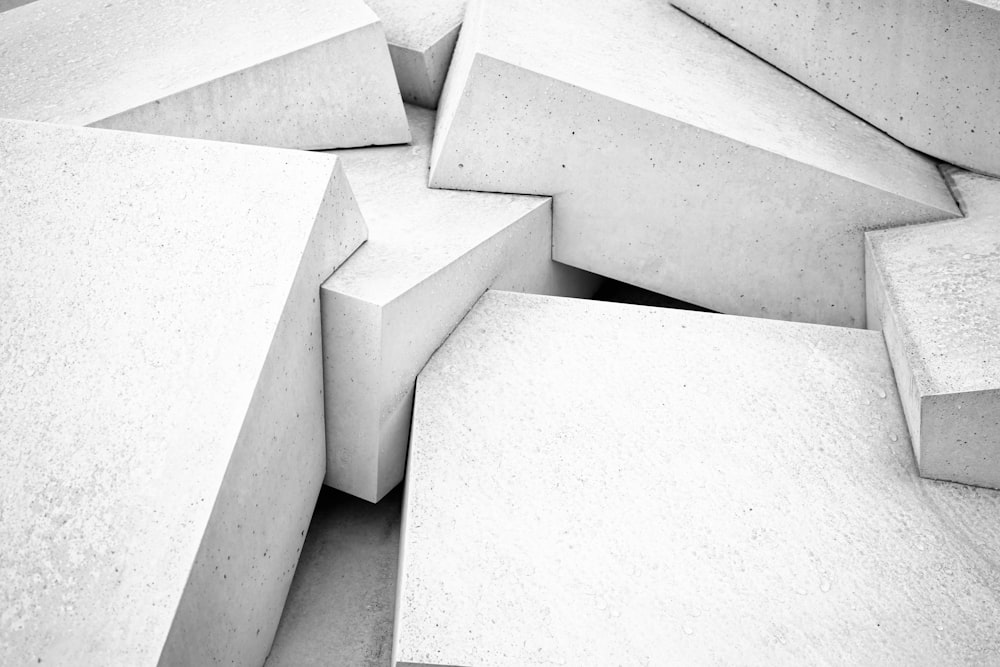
(11, 4)
(161, 412)
(430, 255)
(678, 162)
(313, 75)
(935, 292)
(925, 71)
(755, 502)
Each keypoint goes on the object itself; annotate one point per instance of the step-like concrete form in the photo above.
(934, 290)
(430, 255)
(613, 484)
(313, 74)
(682, 163)
(421, 38)
(925, 71)
(161, 390)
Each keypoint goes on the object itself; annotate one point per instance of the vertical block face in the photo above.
(922, 70)
(313, 75)
(752, 508)
(681, 164)
(430, 255)
(936, 296)
(161, 398)
(421, 39)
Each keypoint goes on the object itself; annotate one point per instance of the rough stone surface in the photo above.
(430, 255)
(161, 390)
(756, 502)
(313, 74)
(678, 162)
(934, 290)
(925, 71)
(421, 39)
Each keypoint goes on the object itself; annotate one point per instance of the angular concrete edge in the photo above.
(963, 420)
(421, 74)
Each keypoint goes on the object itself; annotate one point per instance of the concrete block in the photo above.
(678, 162)
(161, 390)
(934, 291)
(421, 38)
(430, 255)
(315, 74)
(754, 503)
(924, 71)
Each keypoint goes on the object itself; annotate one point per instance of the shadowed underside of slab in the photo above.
(430, 255)
(925, 71)
(161, 410)
(313, 75)
(681, 164)
(759, 507)
(934, 291)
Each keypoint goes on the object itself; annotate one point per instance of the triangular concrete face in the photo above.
(925, 71)
(600, 484)
(430, 255)
(678, 161)
(313, 74)
(934, 291)
(161, 390)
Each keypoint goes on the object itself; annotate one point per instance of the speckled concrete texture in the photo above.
(161, 390)
(313, 74)
(755, 502)
(340, 605)
(934, 290)
(925, 71)
(421, 38)
(678, 162)
(430, 255)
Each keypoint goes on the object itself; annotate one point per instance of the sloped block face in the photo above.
(161, 391)
(752, 508)
(318, 76)
(431, 254)
(935, 294)
(719, 181)
(939, 94)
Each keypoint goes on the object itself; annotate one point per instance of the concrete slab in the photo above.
(11, 4)
(678, 162)
(430, 255)
(755, 503)
(315, 74)
(934, 291)
(925, 71)
(421, 37)
(161, 390)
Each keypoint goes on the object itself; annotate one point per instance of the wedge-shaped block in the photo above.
(621, 485)
(934, 290)
(925, 71)
(682, 163)
(310, 74)
(161, 390)
(431, 254)
(421, 37)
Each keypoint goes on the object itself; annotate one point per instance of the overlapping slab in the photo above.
(161, 390)
(934, 290)
(315, 74)
(925, 71)
(421, 37)
(430, 255)
(597, 484)
(678, 161)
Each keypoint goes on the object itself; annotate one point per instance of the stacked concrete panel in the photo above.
(934, 290)
(430, 255)
(597, 484)
(315, 74)
(925, 71)
(678, 162)
(161, 390)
